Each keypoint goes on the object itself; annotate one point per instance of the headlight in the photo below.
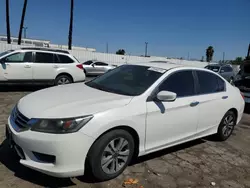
(59, 126)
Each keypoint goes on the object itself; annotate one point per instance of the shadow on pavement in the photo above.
(9, 158)
(11, 161)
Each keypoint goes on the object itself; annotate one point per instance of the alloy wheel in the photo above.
(63, 81)
(115, 155)
(228, 125)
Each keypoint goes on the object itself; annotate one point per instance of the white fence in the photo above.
(83, 55)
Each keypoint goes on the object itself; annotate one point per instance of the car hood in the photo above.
(69, 101)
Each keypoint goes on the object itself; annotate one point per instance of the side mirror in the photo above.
(93, 65)
(2, 61)
(166, 96)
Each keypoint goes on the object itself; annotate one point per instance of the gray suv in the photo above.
(226, 71)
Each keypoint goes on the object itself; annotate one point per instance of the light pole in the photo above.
(24, 33)
(146, 49)
(223, 57)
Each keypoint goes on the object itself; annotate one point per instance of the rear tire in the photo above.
(226, 126)
(110, 154)
(63, 79)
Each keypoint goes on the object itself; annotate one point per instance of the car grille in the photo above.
(19, 120)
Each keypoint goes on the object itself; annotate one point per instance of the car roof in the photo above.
(155, 64)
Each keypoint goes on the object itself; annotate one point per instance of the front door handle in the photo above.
(193, 104)
(27, 66)
(56, 66)
(224, 97)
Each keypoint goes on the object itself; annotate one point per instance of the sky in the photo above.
(172, 28)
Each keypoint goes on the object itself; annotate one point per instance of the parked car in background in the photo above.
(243, 80)
(226, 71)
(96, 67)
(130, 111)
(40, 65)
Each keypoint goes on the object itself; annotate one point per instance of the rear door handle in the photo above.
(27, 66)
(193, 104)
(224, 97)
(55, 66)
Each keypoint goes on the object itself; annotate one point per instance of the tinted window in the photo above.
(227, 69)
(88, 62)
(214, 68)
(27, 57)
(44, 57)
(221, 84)
(181, 83)
(17, 57)
(101, 64)
(65, 59)
(209, 83)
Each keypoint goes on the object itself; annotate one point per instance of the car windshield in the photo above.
(214, 68)
(6, 52)
(131, 80)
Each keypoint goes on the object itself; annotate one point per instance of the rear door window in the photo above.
(65, 59)
(42, 57)
(209, 83)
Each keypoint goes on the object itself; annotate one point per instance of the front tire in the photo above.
(226, 126)
(110, 154)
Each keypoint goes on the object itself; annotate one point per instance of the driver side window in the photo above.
(181, 83)
(19, 57)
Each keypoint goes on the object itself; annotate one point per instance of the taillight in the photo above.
(242, 95)
(80, 66)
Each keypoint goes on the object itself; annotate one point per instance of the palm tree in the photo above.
(71, 25)
(8, 22)
(22, 21)
(209, 53)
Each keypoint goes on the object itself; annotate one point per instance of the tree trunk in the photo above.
(71, 25)
(8, 22)
(22, 21)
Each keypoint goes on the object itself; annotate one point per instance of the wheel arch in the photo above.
(65, 73)
(235, 111)
(130, 130)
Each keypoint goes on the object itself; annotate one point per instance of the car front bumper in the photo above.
(69, 150)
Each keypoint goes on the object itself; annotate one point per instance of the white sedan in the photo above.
(128, 112)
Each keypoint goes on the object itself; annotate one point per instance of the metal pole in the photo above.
(107, 48)
(146, 49)
(24, 31)
(223, 57)
(188, 55)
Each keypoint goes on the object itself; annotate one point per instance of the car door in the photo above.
(18, 66)
(169, 123)
(212, 100)
(99, 67)
(44, 68)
